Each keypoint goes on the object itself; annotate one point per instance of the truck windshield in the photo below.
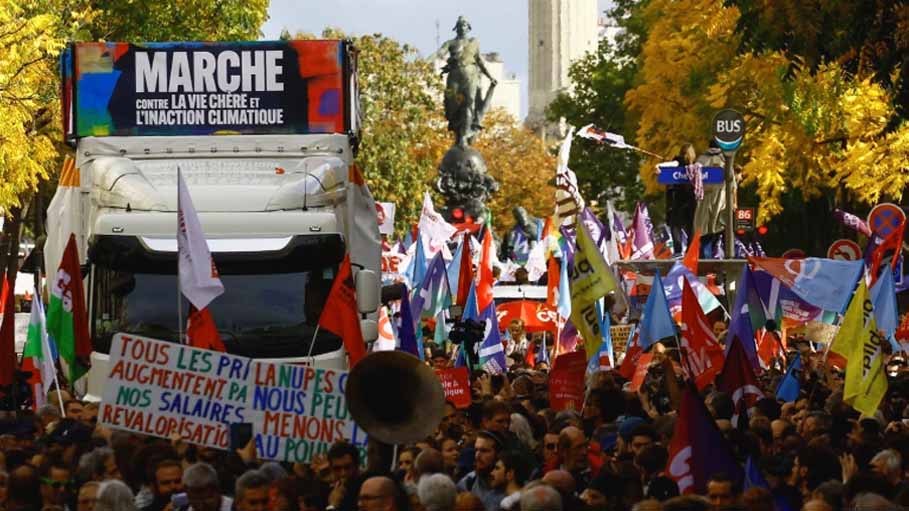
(269, 309)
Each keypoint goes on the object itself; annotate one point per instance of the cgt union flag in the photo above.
(199, 280)
(341, 316)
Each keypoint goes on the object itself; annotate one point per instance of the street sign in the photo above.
(744, 219)
(844, 250)
(729, 129)
(677, 175)
(885, 218)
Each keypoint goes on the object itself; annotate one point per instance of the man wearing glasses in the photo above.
(56, 485)
(378, 494)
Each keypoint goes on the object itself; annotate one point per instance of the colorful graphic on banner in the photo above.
(160, 388)
(122, 89)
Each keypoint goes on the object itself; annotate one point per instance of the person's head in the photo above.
(378, 494)
(516, 329)
(816, 424)
(406, 458)
(651, 460)
(88, 495)
(99, 465)
(437, 492)
(496, 416)
(642, 436)
(889, 464)
(815, 465)
(344, 459)
(573, 449)
(817, 505)
(428, 462)
(439, 359)
(550, 448)
(167, 478)
(486, 451)
(114, 495)
(687, 154)
(540, 497)
(24, 489)
(466, 501)
(450, 453)
(562, 481)
(47, 414)
(721, 491)
(202, 487)
(251, 491)
(90, 413)
(511, 469)
(462, 26)
(56, 483)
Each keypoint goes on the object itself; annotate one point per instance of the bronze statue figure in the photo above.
(465, 102)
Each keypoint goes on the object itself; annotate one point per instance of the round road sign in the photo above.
(844, 250)
(794, 253)
(885, 218)
(729, 129)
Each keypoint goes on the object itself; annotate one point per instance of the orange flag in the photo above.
(553, 273)
(465, 276)
(341, 316)
(201, 331)
(484, 285)
(693, 253)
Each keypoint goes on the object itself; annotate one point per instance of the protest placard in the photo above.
(160, 388)
(456, 384)
(566, 382)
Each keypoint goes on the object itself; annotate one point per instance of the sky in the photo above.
(500, 25)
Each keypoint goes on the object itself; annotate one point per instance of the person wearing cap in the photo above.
(487, 448)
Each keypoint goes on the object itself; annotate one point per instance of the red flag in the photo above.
(553, 274)
(484, 285)
(632, 355)
(738, 380)
(465, 277)
(531, 357)
(693, 253)
(341, 316)
(7, 336)
(768, 344)
(34, 381)
(703, 353)
(892, 244)
(201, 331)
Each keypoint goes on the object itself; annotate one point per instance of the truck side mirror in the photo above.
(367, 284)
(370, 330)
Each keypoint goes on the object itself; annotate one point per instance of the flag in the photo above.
(591, 132)
(618, 232)
(591, 280)
(656, 321)
(434, 293)
(606, 355)
(8, 336)
(552, 282)
(64, 215)
(859, 342)
(67, 316)
(486, 280)
(753, 476)
(201, 331)
(530, 357)
(641, 229)
(363, 237)
(890, 246)
(436, 230)
(852, 221)
(633, 353)
(564, 304)
(416, 267)
(543, 354)
(341, 315)
(747, 317)
(465, 275)
(37, 348)
(386, 340)
(492, 351)
(568, 196)
(199, 280)
(824, 283)
(698, 449)
(672, 286)
(788, 389)
(693, 253)
(408, 330)
(703, 352)
(454, 269)
(738, 380)
(883, 295)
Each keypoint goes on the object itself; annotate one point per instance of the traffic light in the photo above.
(763, 230)
(457, 214)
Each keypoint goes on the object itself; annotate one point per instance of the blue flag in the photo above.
(416, 269)
(883, 296)
(470, 306)
(454, 268)
(656, 322)
(824, 283)
(492, 351)
(747, 317)
(788, 391)
(543, 353)
(753, 476)
(564, 305)
(408, 331)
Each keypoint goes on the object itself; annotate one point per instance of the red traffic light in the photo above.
(457, 214)
(740, 232)
(763, 230)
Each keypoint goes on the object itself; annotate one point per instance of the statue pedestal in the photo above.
(464, 183)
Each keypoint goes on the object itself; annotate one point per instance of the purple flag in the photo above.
(747, 316)
(641, 230)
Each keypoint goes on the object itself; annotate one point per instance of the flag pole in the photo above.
(179, 292)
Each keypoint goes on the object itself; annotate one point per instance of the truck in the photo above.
(264, 134)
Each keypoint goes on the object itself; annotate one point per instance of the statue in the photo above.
(463, 180)
(465, 103)
(523, 236)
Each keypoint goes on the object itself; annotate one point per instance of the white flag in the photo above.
(569, 202)
(199, 280)
(433, 227)
(386, 340)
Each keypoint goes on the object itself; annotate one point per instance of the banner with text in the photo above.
(456, 384)
(265, 87)
(160, 388)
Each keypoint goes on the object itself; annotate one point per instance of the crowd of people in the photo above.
(509, 450)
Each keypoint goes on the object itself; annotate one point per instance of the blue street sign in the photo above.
(677, 175)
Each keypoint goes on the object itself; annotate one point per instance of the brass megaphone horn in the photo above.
(394, 397)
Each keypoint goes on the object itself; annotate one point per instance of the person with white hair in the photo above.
(437, 492)
(203, 489)
(540, 497)
(113, 495)
(521, 428)
(889, 464)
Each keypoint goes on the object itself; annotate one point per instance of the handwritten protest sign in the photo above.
(566, 382)
(456, 384)
(160, 388)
